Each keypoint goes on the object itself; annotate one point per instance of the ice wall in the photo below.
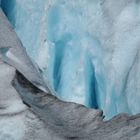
(87, 49)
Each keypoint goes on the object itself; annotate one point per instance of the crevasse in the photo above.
(88, 50)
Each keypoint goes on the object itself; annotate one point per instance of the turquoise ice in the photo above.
(88, 50)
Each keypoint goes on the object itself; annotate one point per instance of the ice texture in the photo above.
(43, 115)
(88, 50)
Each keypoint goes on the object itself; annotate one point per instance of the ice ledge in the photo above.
(13, 53)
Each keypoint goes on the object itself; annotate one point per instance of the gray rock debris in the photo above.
(74, 121)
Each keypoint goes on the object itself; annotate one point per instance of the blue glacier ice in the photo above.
(87, 50)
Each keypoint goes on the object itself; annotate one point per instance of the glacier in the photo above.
(87, 50)
(37, 114)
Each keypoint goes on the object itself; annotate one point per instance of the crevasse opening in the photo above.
(87, 50)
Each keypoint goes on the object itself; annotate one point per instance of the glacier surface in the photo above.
(88, 50)
(42, 115)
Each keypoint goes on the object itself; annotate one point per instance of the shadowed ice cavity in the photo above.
(81, 47)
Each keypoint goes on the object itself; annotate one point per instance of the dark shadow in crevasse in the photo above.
(8, 8)
(91, 80)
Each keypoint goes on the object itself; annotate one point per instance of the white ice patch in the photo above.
(10, 102)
